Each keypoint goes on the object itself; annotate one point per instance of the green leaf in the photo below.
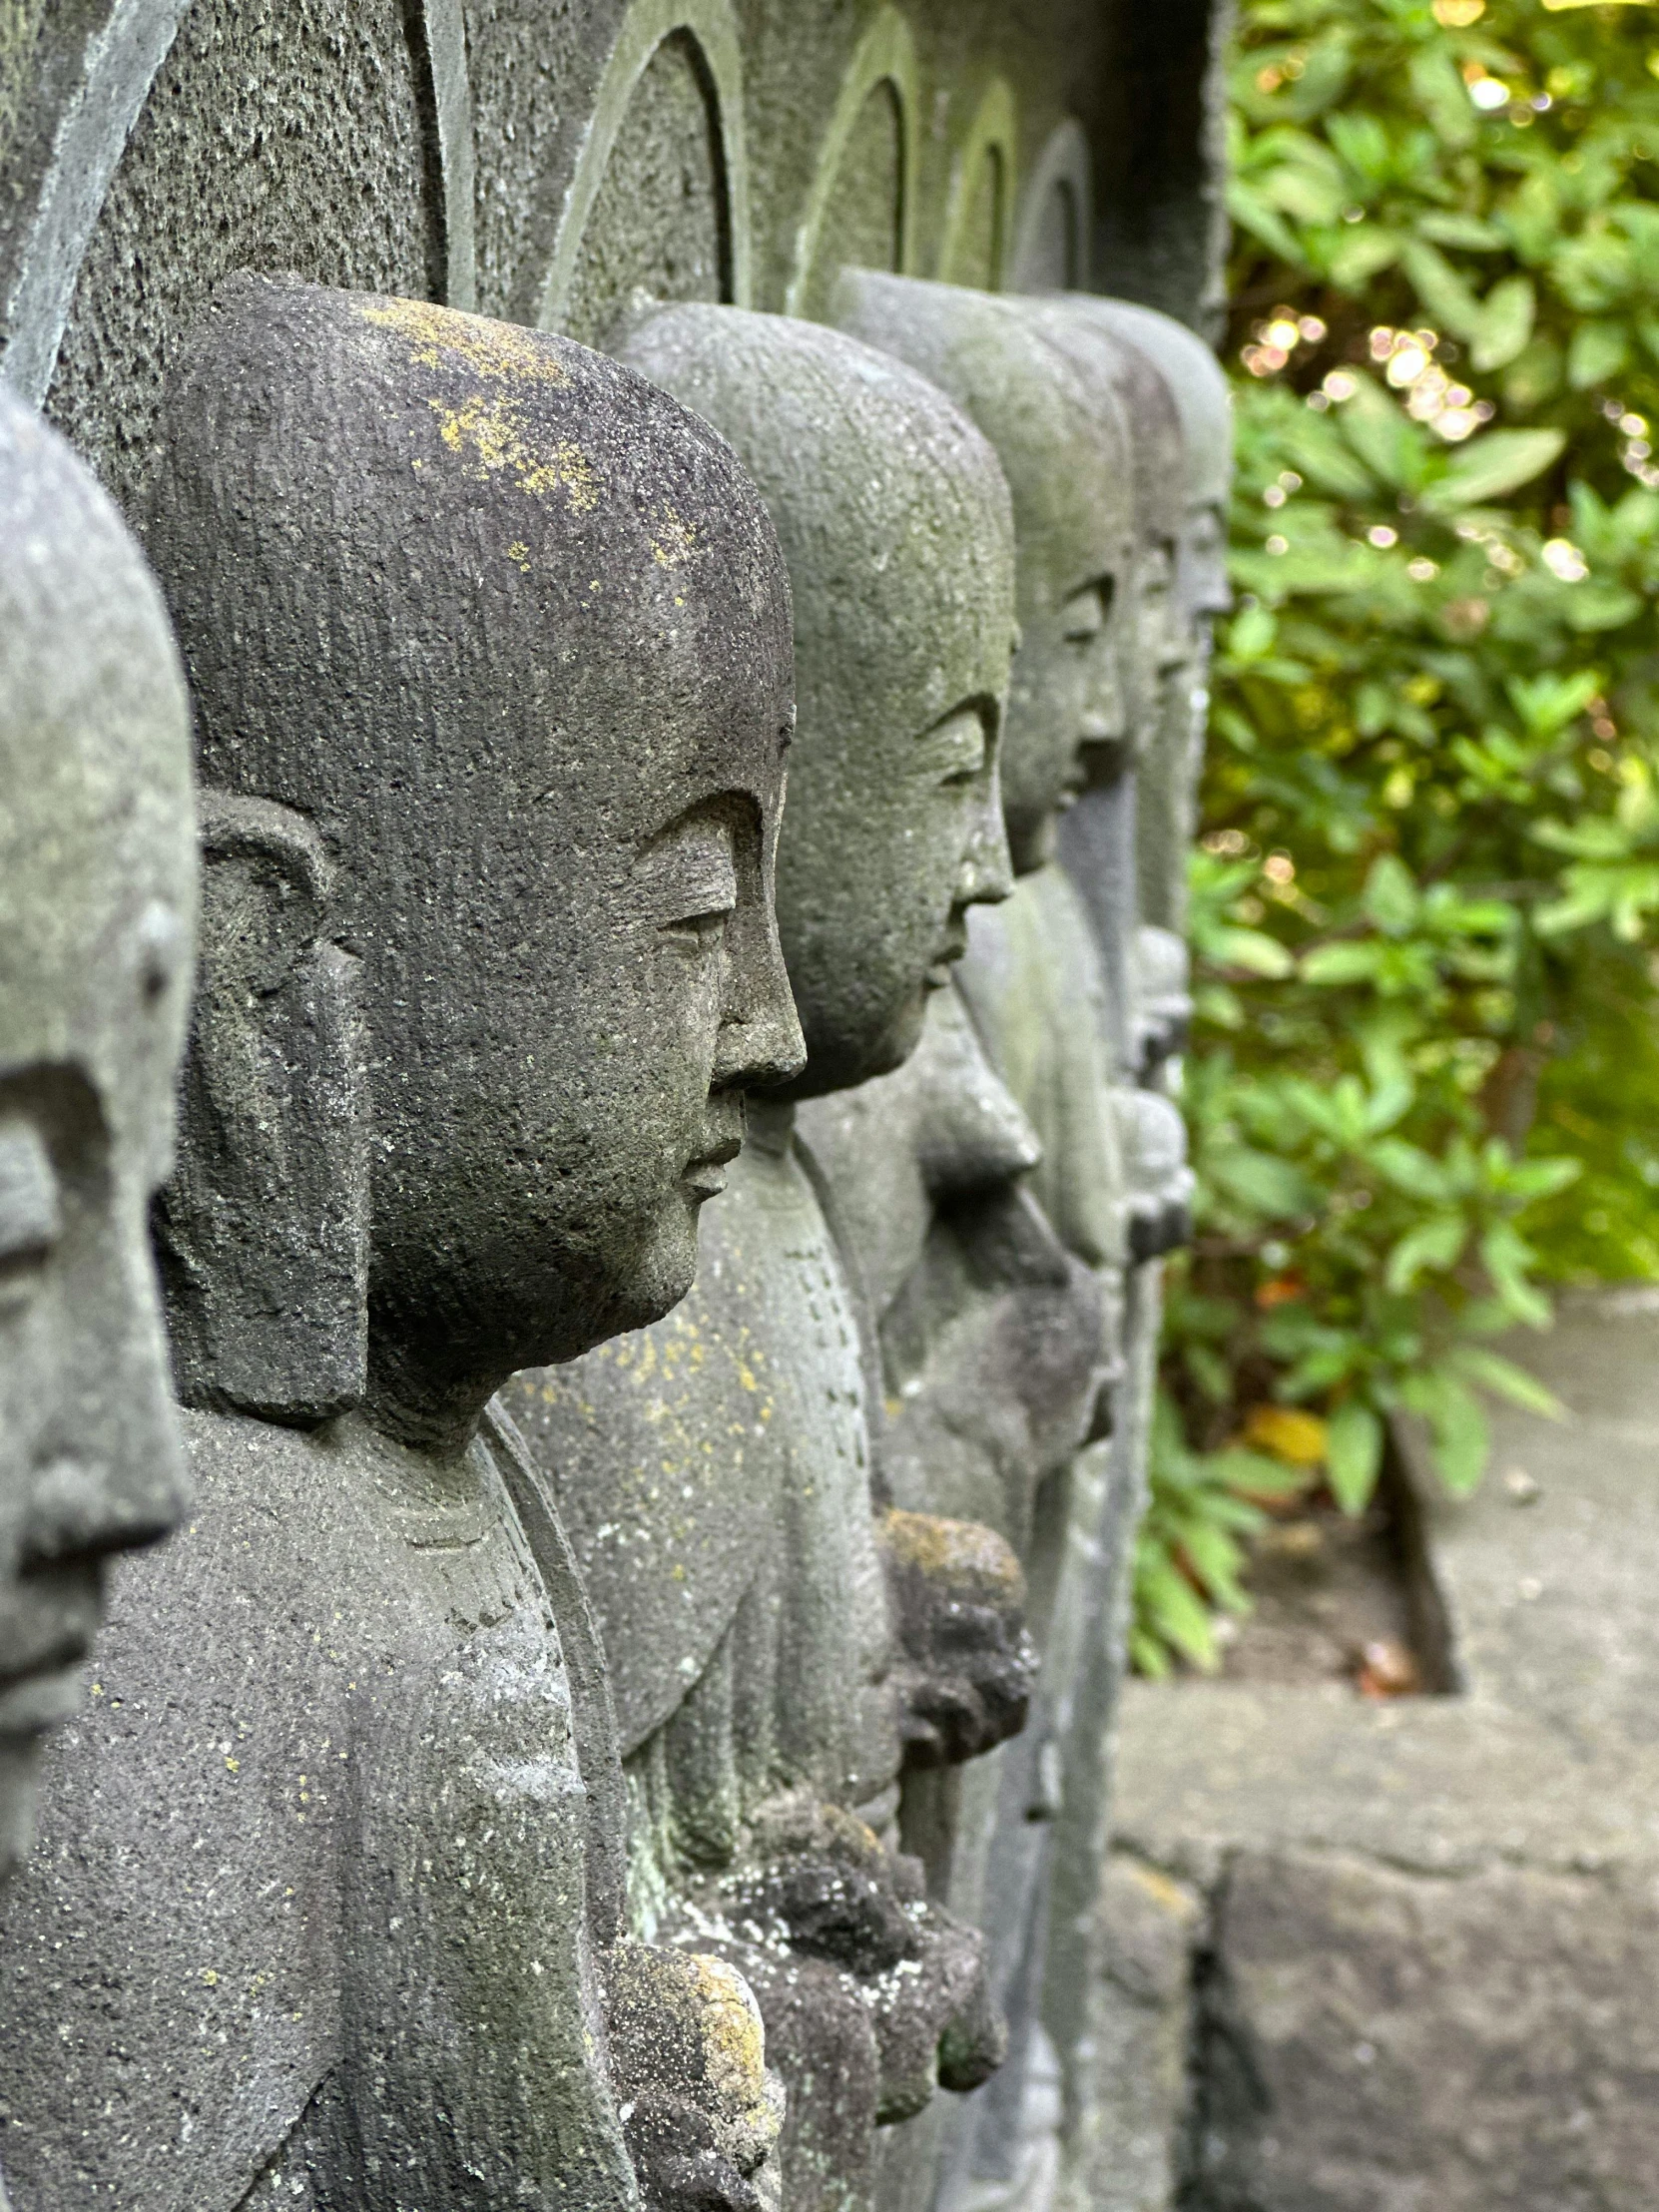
(1442, 95)
(1173, 1608)
(1354, 1456)
(1364, 251)
(1390, 896)
(1251, 213)
(1506, 1381)
(1593, 606)
(1451, 302)
(1214, 1555)
(1248, 948)
(1437, 1243)
(1385, 439)
(1598, 350)
(1410, 1169)
(1317, 449)
(1268, 1185)
(1465, 231)
(1505, 324)
(1251, 634)
(1332, 964)
(1461, 1438)
(1490, 466)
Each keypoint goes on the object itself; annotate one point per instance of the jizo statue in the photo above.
(788, 1637)
(97, 923)
(1086, 437)
(488, 639)
(1069, 516)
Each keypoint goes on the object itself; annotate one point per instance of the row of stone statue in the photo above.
(555, 1679)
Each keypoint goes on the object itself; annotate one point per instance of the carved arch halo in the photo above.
(712, 25)
(1063, 168)
(885, 55)
(990, 138)
(119, 65)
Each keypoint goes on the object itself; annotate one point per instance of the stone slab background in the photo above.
(1401, 1957)
(538, 158)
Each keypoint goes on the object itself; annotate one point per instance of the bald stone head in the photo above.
(97, 917)
(1065, 473)
(500, 634)
(1198, 385)
(1162, 647)
(894, 518)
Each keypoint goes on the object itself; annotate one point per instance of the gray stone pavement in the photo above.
(1405, 1957)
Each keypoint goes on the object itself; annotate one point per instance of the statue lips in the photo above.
(40, 1688)
(954, 945)
(703, 1175)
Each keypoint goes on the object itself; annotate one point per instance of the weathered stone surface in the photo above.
(1126, 2155)
(1063, 462)
(97, 922)
(571, 166)
(490, 659)
(894, 518)
(1384, 2041)
(758, 1606)
(298, 99)
(990, 1334)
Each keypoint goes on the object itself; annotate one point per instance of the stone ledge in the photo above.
(1407, 1953)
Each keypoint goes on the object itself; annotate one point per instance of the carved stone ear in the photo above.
(263, 1230)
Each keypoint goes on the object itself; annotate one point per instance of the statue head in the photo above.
(489, 640)
(97, 917)
(1063, 450)
(893, 519)
(1203, 405)
(1160, 644)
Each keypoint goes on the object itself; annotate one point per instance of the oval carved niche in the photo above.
(976, 224)
(658, 206)
(861, 211)
(1052, 241)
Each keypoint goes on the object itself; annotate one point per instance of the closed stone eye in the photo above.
(30, 1210)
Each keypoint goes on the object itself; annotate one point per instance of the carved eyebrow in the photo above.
(31, 1218)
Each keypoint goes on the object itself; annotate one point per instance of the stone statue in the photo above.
(1130, 866)
(97, 920)
(1087, 441)
(1167, 807)
(783, 1639)
(489, 647)
(990, 1340)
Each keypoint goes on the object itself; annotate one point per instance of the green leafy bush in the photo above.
(1424, 1061)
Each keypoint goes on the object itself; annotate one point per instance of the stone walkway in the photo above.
(1405, 1957)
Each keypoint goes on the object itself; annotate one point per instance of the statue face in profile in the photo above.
(1066, 461)
(97, 917)
(894, 518)
(1203, 403)
(505, 633)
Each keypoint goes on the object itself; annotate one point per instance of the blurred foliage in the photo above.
(1424, 1062)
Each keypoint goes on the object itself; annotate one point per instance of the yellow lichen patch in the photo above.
(500, 350)
(493, 431)
(953, 1550)
(676, 541)
(734, 2041)
(1163, 1892)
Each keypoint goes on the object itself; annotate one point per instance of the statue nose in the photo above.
(82, 1505)
(761, 1040)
